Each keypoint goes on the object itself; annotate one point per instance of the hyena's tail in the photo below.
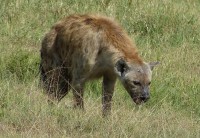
(46, 58)
(42, 73)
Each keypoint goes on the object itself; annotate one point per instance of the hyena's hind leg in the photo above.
(56, 83)
(78, 82)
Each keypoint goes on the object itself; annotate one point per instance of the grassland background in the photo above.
(167, 31)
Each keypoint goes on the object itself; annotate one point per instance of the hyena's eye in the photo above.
(137, 83)
(149, 83)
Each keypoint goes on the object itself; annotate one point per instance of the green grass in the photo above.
(167, 31)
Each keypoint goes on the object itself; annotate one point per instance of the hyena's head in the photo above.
(136, 79)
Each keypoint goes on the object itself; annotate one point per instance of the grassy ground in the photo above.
(167, 31)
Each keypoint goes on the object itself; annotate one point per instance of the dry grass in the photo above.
(27, 115)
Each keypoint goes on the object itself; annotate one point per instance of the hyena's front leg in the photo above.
(108, 89)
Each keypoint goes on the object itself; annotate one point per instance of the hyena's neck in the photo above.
(134, 58)
(125, 47)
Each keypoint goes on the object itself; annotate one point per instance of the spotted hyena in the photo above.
(79, 48)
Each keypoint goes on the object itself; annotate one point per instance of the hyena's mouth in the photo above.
(140, 100)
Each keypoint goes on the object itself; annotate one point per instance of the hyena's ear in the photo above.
(153, 64)
(121, 67)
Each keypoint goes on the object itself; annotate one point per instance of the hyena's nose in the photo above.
(145, 97)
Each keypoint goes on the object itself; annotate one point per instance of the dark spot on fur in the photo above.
(99, 52)
(88, 20)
